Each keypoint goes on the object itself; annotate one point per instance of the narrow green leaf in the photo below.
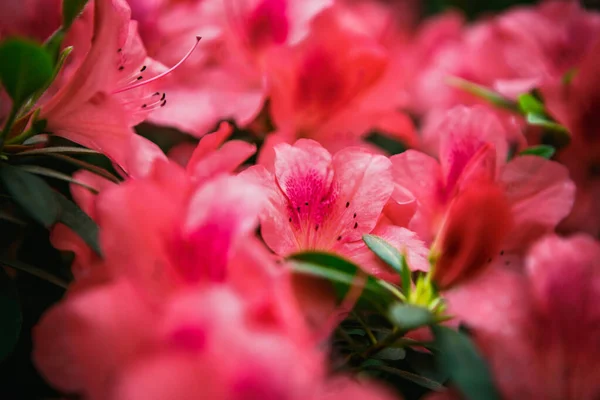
(54, 43)
(408, 317)
(392, 257)
(419, 380)
(71, 10)
(81, 223)
(543, 150)
(57, 149)
(482, 92)
(458, 357)
(25, 68)
(528, 103)
(543, 121)
(31, 193)
(341, 273)
(50, 173)
(37, 272)
(10, 315)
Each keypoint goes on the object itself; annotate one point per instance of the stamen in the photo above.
(143, 69)
(189, 53)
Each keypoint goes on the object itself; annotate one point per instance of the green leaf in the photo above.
(31, 193)
(341, 273)
(50, 173)
(54, 43)
(25, 68)
(419, 380)
(37, 272)
(392, 257)
(528, 103)
(545, 122)
(71, 10)
(543, 150)
(408, 317)
(81, 223)
(467, 370)
(10, 315)
(484, 93)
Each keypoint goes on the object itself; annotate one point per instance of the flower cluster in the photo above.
(348, 186)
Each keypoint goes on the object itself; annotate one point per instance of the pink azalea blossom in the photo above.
(324, 202)
(226, 77)
(573, 104)
(323, 92)
(109, 92)
(528, 195)
(36, 19)
(526, 324)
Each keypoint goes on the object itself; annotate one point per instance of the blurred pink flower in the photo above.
(534, 326)
(226, 77)
(321, 91)
(36, 19)
(109, 91)
(573, 104)
(509, 204)
(321, 202)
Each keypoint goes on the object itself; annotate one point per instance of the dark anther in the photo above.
(120, 50)
(163, 96)
(121, 68)
(144, 105)
(163, 103)
(290, 219)
(306, 204)
(298, 209)
(489, 260)
(339, 238)
(317, 228)
(502, 252)
(156, 94)
(347, 204)
(354, 215)
(139, 77)
(355, 225)
(143, 69)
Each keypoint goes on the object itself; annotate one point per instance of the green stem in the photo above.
(386, 342)
(372, 337)
(23, 136)
(9, 123)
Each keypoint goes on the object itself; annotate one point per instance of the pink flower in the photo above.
(323, 92)
(109, 92)
(572, 104)
(321, 202)
(529, 195)
(533, 327)
(37, 19)
(226, 77)
(170, 191)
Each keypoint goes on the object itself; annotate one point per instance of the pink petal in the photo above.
(210, 143)
(225, 160)
(364, 185)
(464, 131)
(220, 213)
(276, 230)
(421, 175)
(541, 195)
(496, 306)
(82, 342)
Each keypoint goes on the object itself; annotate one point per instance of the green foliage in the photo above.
(71, 10)
(10, 315)
(392, 257)
(458, 358)
(31, 193)
(408, 317)
(341, 273)
(25, 68)
(47, 206)
(543, 150)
